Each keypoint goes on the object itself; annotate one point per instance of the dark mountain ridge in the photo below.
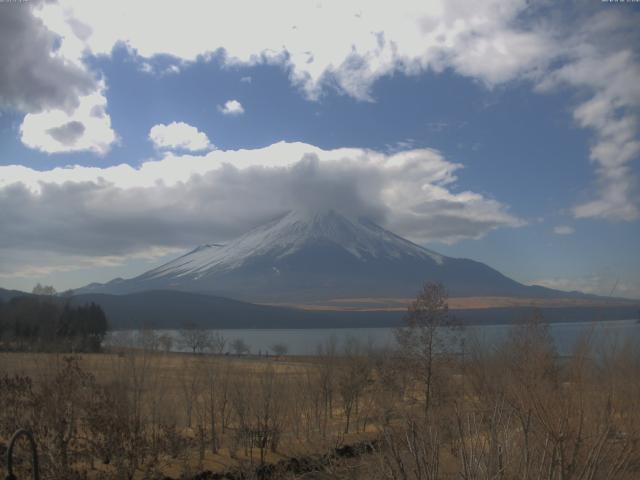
(172, 309)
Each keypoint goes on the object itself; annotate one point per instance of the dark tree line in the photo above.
(42, 322)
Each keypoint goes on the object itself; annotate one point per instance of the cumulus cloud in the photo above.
(43, 76)
(563, 230)
(35, 75)
(179, 135)
(492, 41)
(159, 70)
(44, 44)
(368, 40)
(67, 134)
(85, 128)
(231, 107)
(601, 62)
(183, 200)
(172, 69)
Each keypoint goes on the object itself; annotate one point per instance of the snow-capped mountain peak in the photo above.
(313, 255)
(291, 233)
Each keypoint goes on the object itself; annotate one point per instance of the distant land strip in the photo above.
(390, 304)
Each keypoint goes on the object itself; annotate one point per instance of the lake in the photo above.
(306, 341)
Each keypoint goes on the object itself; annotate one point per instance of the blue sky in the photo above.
(514, 144)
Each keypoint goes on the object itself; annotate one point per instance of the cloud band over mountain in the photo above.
(184, 200)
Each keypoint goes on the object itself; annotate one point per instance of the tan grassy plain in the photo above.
(164, 377)
(390, 304)
(515, 409)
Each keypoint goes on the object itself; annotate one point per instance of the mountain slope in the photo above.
(310, 256)
(6, 295)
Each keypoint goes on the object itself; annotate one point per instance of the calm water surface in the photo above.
(306, 341)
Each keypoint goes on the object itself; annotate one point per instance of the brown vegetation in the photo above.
(513, 412)
(399, 304)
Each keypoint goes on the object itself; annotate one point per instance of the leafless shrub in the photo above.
(239, 347)
(512, 410)
(425, 336)
(353, 378)
(279, 349)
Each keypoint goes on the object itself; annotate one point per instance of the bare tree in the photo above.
(424, 335)
(279, 349)
(195, 339)
(166, 342)
(47, 290)
(327, 353)
(411, 451)
(353, 378)
(212, 379)
(190, 386)
(120, 340)
(216, 342)
(259, 409)
(239, 346)
(149, 340)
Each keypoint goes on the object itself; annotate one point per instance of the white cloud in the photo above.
(183, 200)
(85, 128)
(367, 40)
(563, 230)
(349, 45)
(146, 67)
(179, 135)
(172, 69)
(231, 107)
(159, 70)
(43, 76)
(492, 41)
(607, 72)
(35, 75)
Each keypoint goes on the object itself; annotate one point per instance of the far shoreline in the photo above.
(363, 319)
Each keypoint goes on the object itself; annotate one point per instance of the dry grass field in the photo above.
(517, 411)
(170, 367)
(171, 390)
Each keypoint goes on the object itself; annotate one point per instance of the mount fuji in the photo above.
(309, 256)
